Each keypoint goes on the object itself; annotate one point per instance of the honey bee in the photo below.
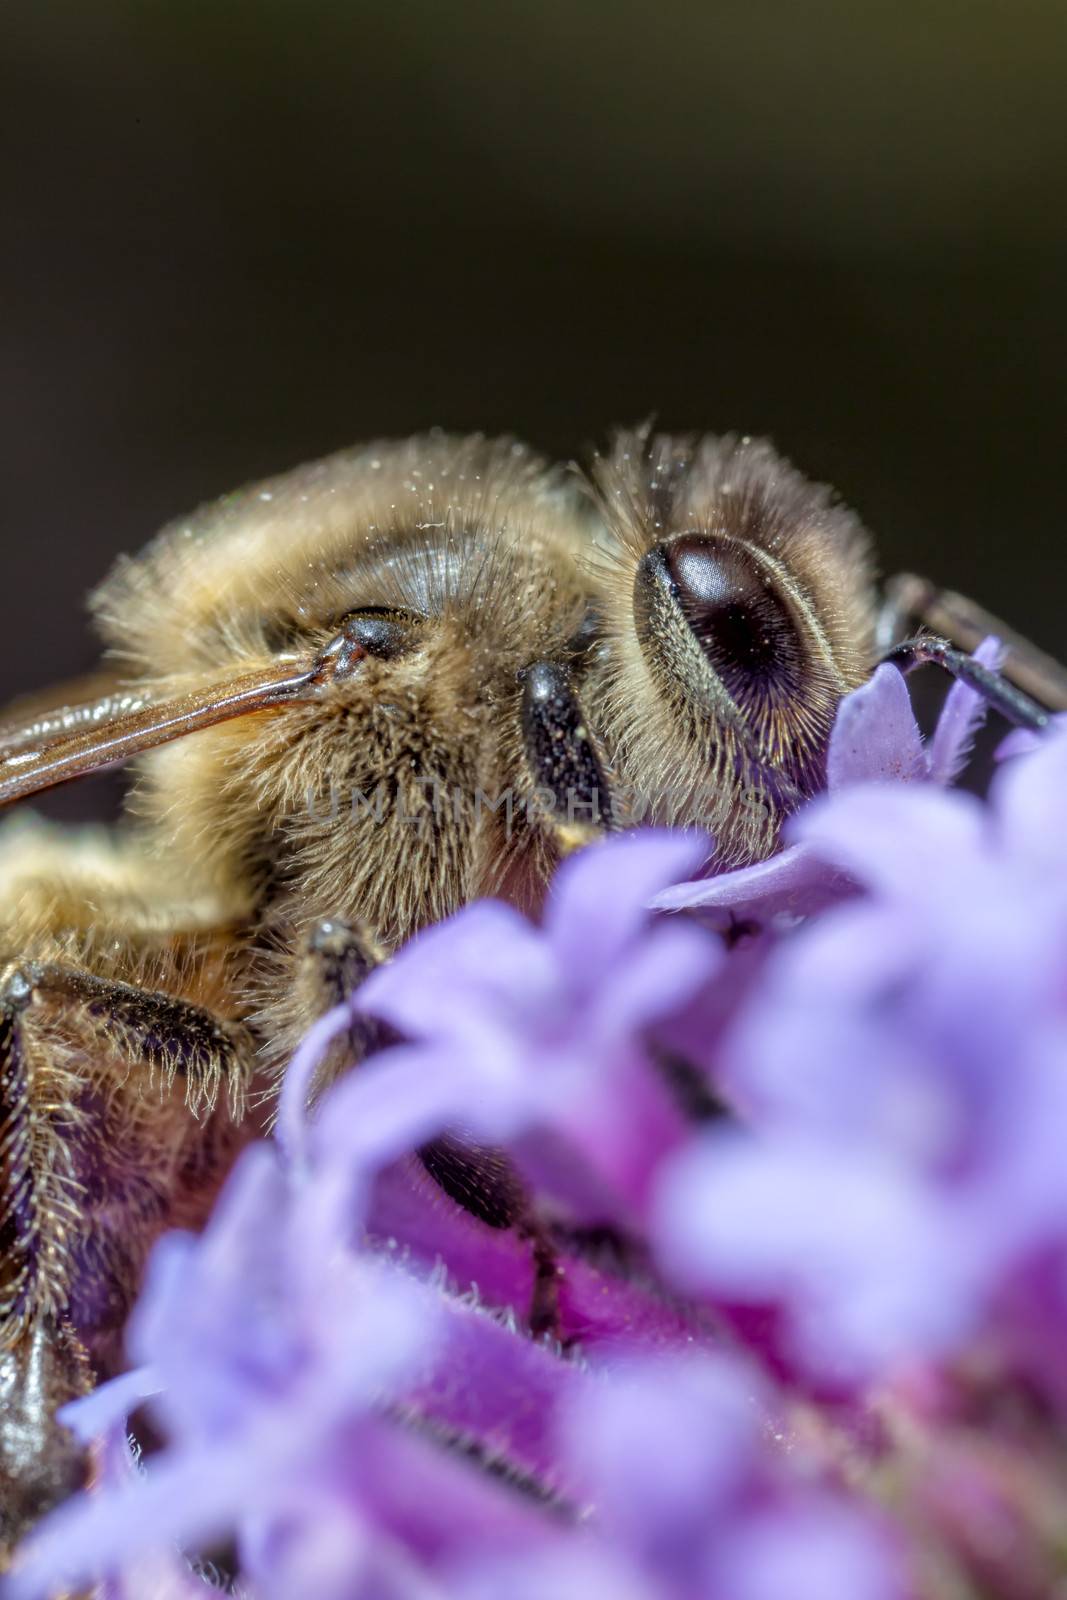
(356, 697)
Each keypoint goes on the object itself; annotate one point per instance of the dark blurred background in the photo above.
(238, 235)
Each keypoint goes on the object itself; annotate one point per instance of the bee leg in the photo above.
(693, 1092)
(42, 1362)
(562, 757)
(1012, 703)
(41, 1462)
(480, 1179)
(485, 1183)
(339, 957)
(151, 1030)
(955, 617)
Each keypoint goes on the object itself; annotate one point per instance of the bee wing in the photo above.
(48, 747)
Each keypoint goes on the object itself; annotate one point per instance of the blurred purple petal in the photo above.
(875, 737)
(822, 1551)
(189, 1498)
(485, 957)
(962, 715)
(577, 1570)
(666, 1446)
(794, 882)
(296, 1090)
(891, 838)
(1024, 741)
(1029, 799)
(745, 1221)
(112, 1403)
(681, 1472)
(599, 897)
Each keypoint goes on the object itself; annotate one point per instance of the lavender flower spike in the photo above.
(773, 1308)
(902, 1072)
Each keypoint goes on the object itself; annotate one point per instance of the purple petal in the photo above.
(897, 839)
(962, 715)
(1022, 741)
(875, 737)
(486, 958)
(599, 898)
(794, 882)
(404, 1097)
(658, 978)
(296, 1090)
(601, 1139)
(664, 1446)
(869, 1266)
(1029, 797)
(822, 1551)
(189, 1497)
(96, 1413)
(809, 1053)
(575, 1570)
(489, 1382)
(435, 1504)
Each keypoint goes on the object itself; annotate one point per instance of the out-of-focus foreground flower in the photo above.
(805, 1191)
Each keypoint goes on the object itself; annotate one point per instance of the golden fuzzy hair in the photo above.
(685, 746)
(377, 801)
(500, 632)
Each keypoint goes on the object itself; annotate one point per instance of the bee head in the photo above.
(741, 613)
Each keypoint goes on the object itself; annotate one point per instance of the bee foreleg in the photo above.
(562, 757)
(339, 957)
(964, 623)
(994, 688)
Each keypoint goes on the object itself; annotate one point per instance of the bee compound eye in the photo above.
(732, 606)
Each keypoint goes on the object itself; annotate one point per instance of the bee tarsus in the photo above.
(1013, 703)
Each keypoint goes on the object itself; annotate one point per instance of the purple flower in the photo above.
(238, 1331)
(293, 1376)
(676, 1453)
(334, 1407)
(539, 1036)
(330, 1410)
(691, 1503)
(338, 1365)
(875, 739)
(902, 1074)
